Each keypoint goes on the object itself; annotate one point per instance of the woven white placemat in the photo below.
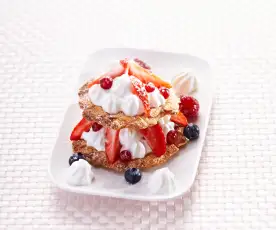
(43, 46)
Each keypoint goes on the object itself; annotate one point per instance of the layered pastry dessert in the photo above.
(133, 119)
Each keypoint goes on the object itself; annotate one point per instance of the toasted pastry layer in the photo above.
(99, 159)
(120, 120)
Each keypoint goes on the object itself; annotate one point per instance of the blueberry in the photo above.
(80, 156)
(75, 157)
(133, 175)
(191, 131)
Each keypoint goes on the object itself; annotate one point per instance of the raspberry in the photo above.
(125, 155)
(150, 87)
(96, 127)
(189, 106)
(106, 82)
(165, 92)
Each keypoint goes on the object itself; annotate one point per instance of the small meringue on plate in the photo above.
(184, 83)
(80, 173)
(162, 181)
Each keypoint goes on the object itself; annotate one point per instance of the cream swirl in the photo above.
(132, 141)
(95, 139)
(162, 181)
(184, 84)
(156, 99)
(166, 124)
(80, 173)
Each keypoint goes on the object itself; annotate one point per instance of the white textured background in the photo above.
(43, 45)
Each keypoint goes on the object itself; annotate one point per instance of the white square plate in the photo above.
(184, 165)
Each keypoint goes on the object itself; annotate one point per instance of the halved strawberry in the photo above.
(143, 74)
(179, 119)
(155, 138)
(83, 125)
(112, 73)
(138, 88)
(112, 144)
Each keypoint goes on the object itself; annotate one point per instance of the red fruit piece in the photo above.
(120, 70)
(106, 82)
(179, 119)
(125, 155)
(96, 127)
(112, 144)
(155, 138)
(139, 90)
(142, 63)
(143, 74)
(83, 125)
(165, 92)
(150, 87)
(173, 137)
(189, 106)
(124, 63)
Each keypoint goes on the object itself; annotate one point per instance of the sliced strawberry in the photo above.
(179, 119)
(83, 125)
(112, 144)
(155, 138)
(124, 63)
(138, 89)
(113, 74)
(142, 63)
(143, 74)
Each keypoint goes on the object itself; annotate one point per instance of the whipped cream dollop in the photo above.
(156, 99)
(166, 124)
(95, 139)
(162, 181)
(184, 84)
(80, 173)
(120, 98)
(132, 141)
